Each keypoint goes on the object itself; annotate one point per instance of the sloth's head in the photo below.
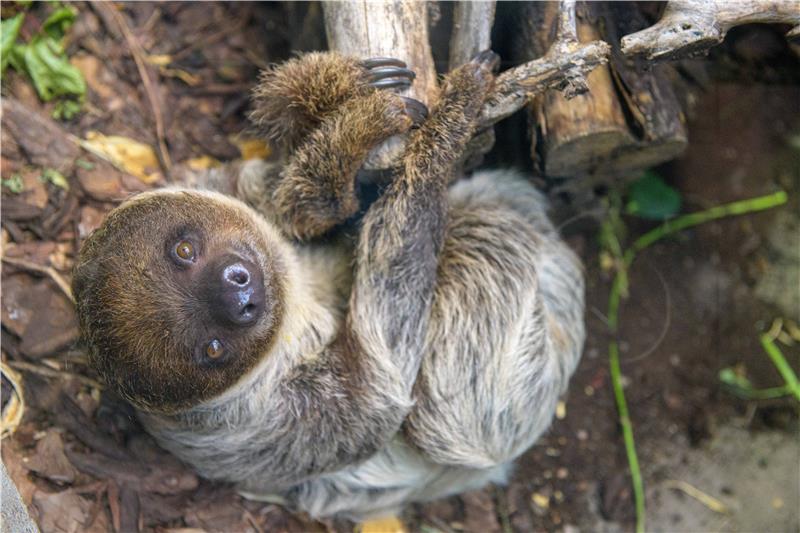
(179, 294)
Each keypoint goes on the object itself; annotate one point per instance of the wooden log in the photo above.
(571, 137)
(629, 120)
(471, 34)
(399, 29)
(385, 29)
(691, 27)
(652, 108)
(472, 30)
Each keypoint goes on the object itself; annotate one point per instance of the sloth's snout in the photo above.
(237, 291)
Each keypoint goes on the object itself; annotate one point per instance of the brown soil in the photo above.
(80, 458)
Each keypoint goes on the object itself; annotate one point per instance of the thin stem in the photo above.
(694, 219)
(627, 435)
(760, 394)
(792, 384)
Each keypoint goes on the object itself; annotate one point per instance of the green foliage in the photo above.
(9, 30)
(649, 197)
(88, 165)
(44, 60)
(738, 384)
(611, 237)
(14, 183)
(51, 175)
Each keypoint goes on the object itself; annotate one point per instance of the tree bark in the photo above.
(399, 29)
(571, 137)
(654, 113)
(629, 120)
(472, 30)
(385, 29)
(691, 27)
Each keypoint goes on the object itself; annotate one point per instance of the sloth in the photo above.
(346, 377)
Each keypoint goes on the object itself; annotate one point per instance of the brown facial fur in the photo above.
(143, 317)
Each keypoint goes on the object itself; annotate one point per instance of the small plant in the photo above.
(737, 383)
(650, 197)
(51, 175)
(44, 60)
(14, 184)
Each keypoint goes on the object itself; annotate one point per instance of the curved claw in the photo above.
(488, 58)
(391, 72)
(416, 110)
(375, 62)
(391, 83)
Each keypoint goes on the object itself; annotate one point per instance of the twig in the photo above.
(706, 499)
(203, 42)
(47, 270)
(155, 103)
(517, 86)
(502, 510)
(51, 373)
(620, 282)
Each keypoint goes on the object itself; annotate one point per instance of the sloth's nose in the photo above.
(237, 291)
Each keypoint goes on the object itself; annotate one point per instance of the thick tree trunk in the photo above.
(472, 30)
(399, 29)
(385, 29)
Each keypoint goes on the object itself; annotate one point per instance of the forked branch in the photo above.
(691, 27)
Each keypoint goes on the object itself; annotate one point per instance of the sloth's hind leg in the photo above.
(506, 328)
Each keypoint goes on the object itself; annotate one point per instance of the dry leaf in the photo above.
(49, 460)
(159, 60)
(202, 163)
(61, 511)
(15, 405)
(186, 77)
(252, 148)
(128, 155)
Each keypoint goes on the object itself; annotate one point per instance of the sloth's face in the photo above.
(179, 294)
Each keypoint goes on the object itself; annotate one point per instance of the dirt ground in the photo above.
(698, 301)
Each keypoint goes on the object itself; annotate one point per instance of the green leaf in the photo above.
(59, 22)
(649, 197)
(14, 183)
(66, 109)
(9, 30)
(88, 165)
(729, 377)
(55, 177)
(44, 60)
(50, 71)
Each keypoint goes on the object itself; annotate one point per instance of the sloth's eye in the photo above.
(215, 349)
(184, 250)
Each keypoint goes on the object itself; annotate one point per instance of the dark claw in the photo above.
(391, 83)
(415, 109)
(391, 72)
(375, 62)
(488, 58)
